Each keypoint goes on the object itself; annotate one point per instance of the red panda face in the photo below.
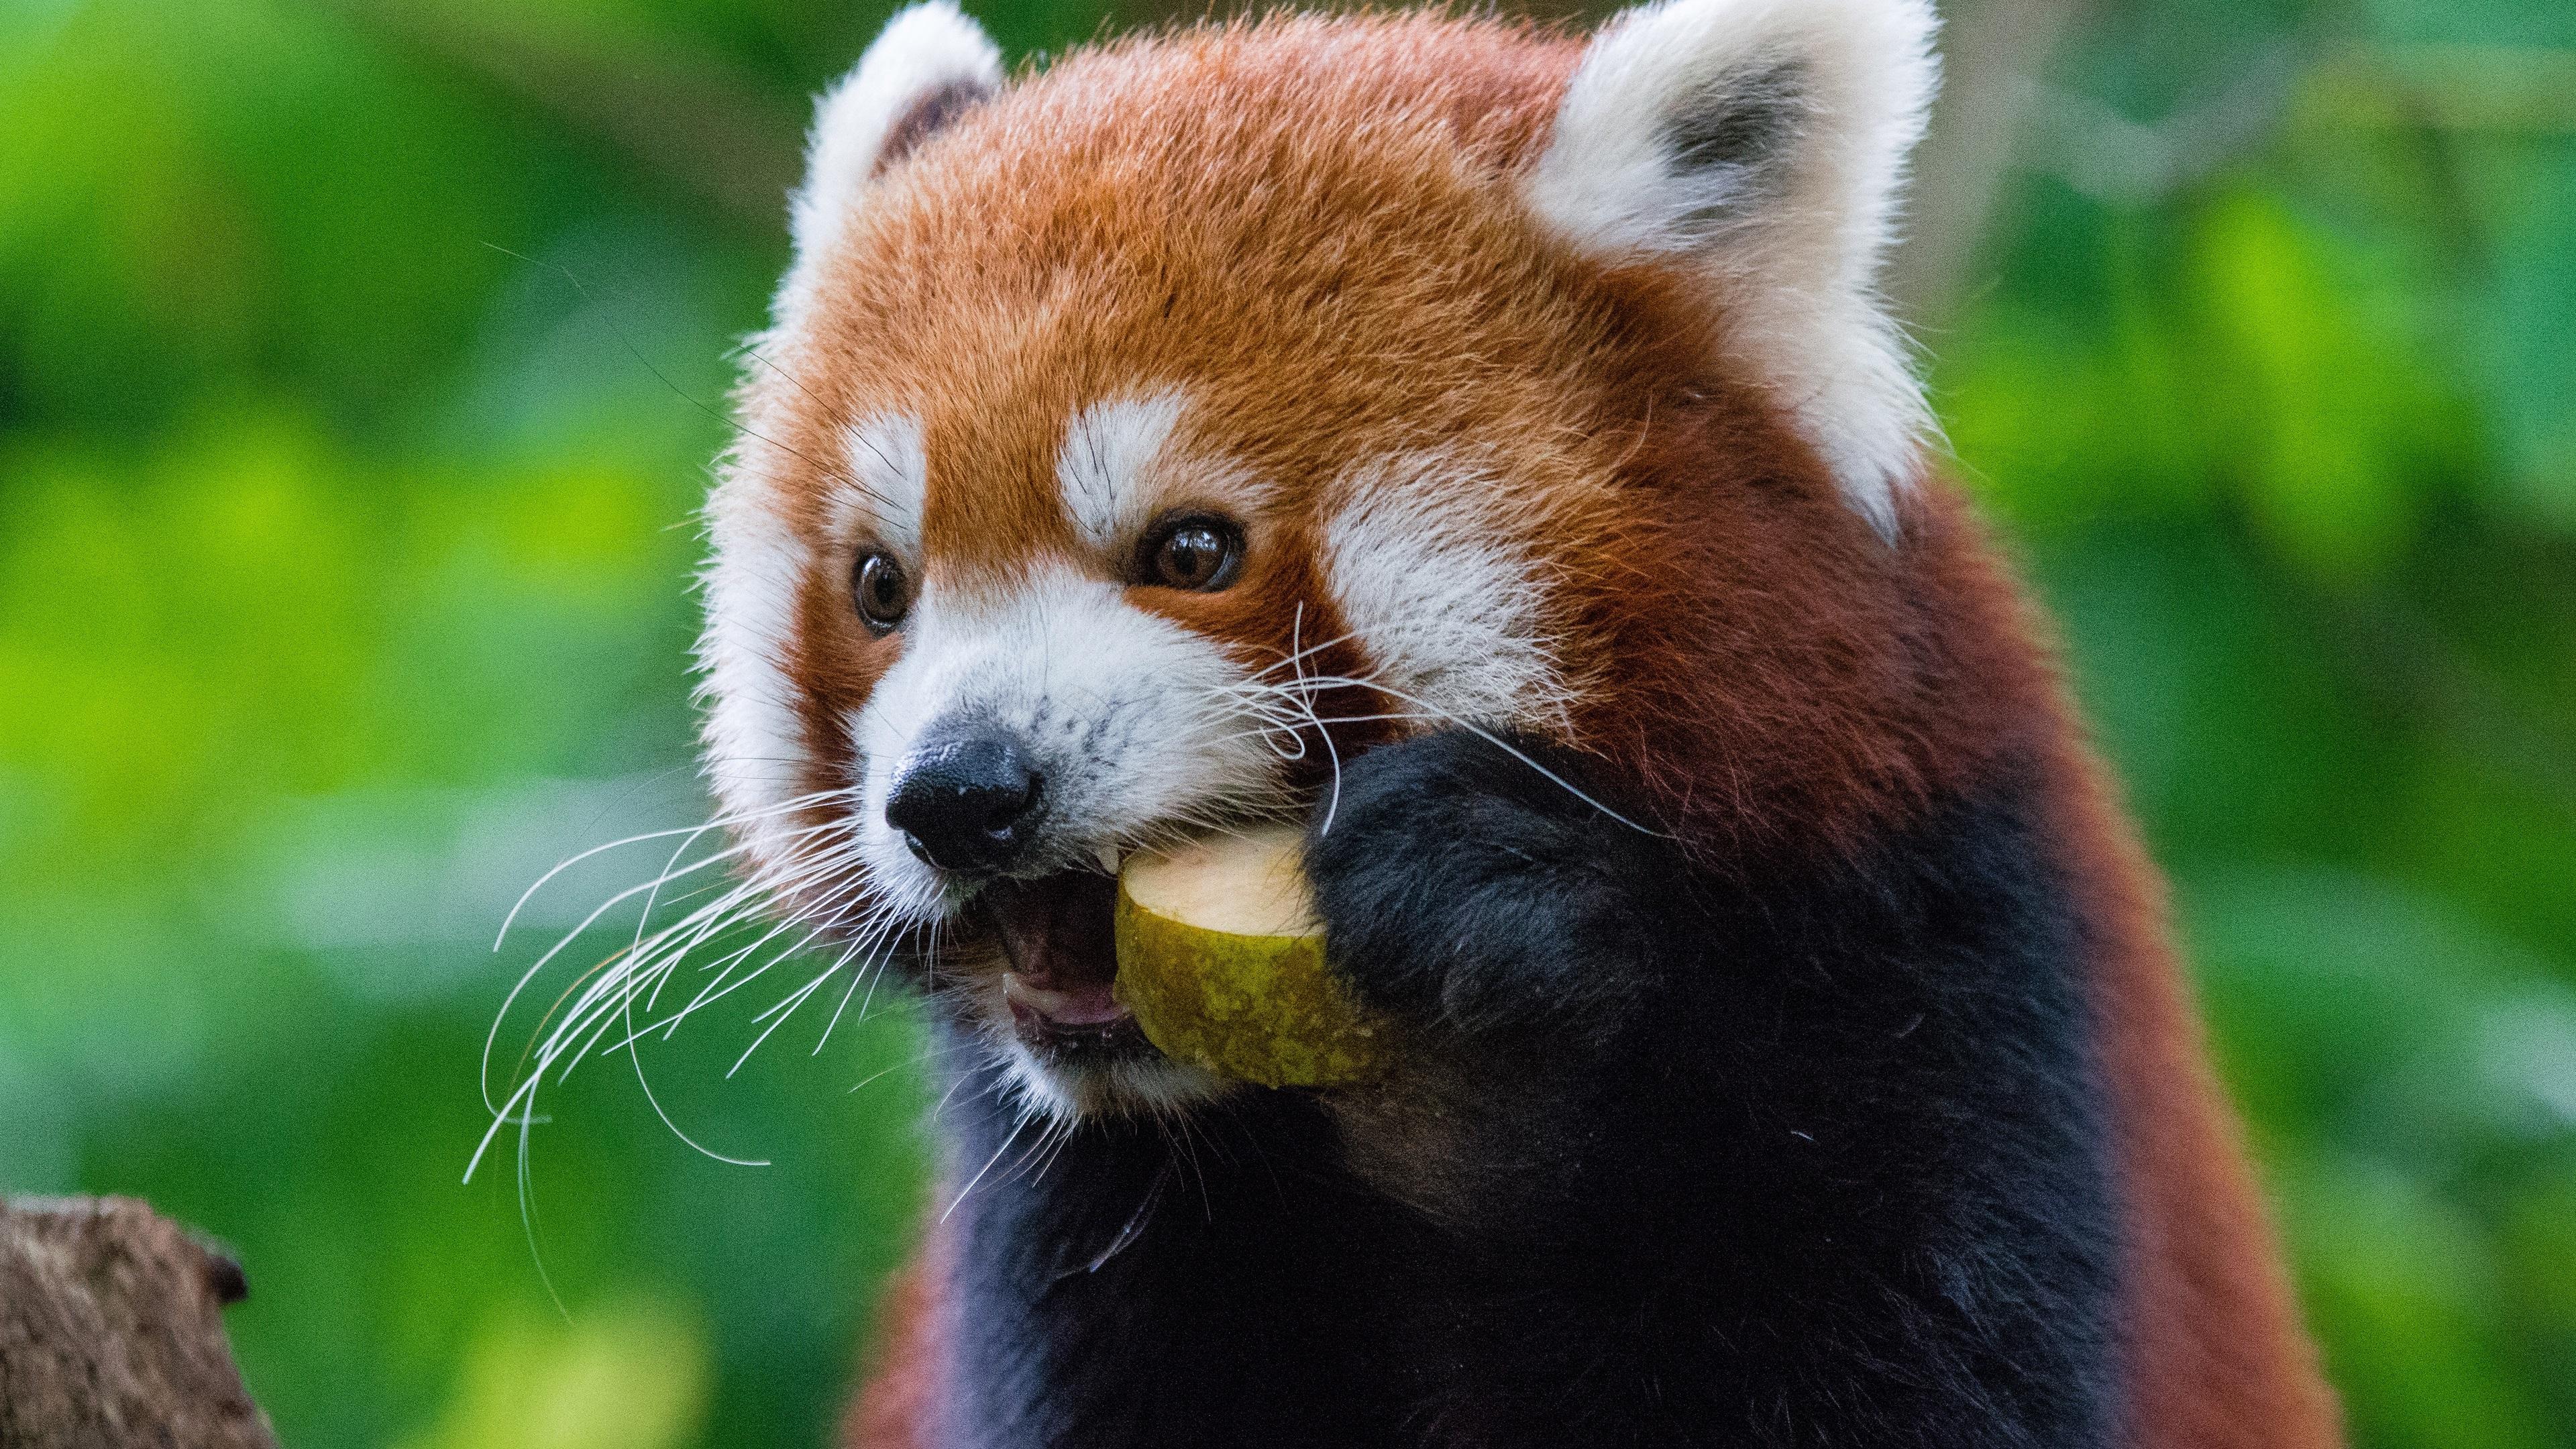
(1138, 439)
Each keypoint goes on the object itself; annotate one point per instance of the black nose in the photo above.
(964, 800)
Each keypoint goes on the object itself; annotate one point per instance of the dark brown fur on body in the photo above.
(2214, 1350)
(1313, 227)
(2216, 1358)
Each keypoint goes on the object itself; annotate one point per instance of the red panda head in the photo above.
(1136, 437)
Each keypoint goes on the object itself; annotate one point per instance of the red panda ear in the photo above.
(929, 65)
(1762, 144)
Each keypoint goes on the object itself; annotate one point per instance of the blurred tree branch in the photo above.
(2522, 90)
(685, 119)
(2106, 155)
(1993, 52)
(728, 141)
(731, 144)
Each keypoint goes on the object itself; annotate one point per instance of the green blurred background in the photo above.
(357, 360)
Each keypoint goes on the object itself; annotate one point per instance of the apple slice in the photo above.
(1222, 962)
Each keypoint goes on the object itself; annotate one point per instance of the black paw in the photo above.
(1473, 884)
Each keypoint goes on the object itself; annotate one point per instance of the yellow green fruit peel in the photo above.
(1222, 963)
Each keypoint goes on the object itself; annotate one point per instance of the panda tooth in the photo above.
(1107, 855)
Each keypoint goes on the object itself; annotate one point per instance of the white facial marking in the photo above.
(1423, 564)
(880, 501)
(1135, 728)
(1128, 715)
(753, 737)
(1108, 449)
(1119, 468)
(1762, 143)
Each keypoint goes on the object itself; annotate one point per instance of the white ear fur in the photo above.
(928, 63)
(1763, 143)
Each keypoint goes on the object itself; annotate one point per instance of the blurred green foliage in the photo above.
(357, 366)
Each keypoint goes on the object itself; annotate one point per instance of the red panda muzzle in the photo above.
(1055, 934)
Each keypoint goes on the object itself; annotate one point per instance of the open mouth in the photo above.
(1055, 933)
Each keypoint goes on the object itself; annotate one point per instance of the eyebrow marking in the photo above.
(1108, 448)
(882, 495)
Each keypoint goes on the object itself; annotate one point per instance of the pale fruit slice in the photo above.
(1222, 962)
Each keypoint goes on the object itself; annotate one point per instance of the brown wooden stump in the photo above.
(112, 1334)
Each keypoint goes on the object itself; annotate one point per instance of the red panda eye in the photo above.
(882, 591)
(1197, 553)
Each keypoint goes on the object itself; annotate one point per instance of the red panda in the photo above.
(1486, 446)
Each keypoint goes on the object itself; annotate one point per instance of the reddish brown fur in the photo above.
(1337, 351)
(894, 1410)
(1309, 227)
